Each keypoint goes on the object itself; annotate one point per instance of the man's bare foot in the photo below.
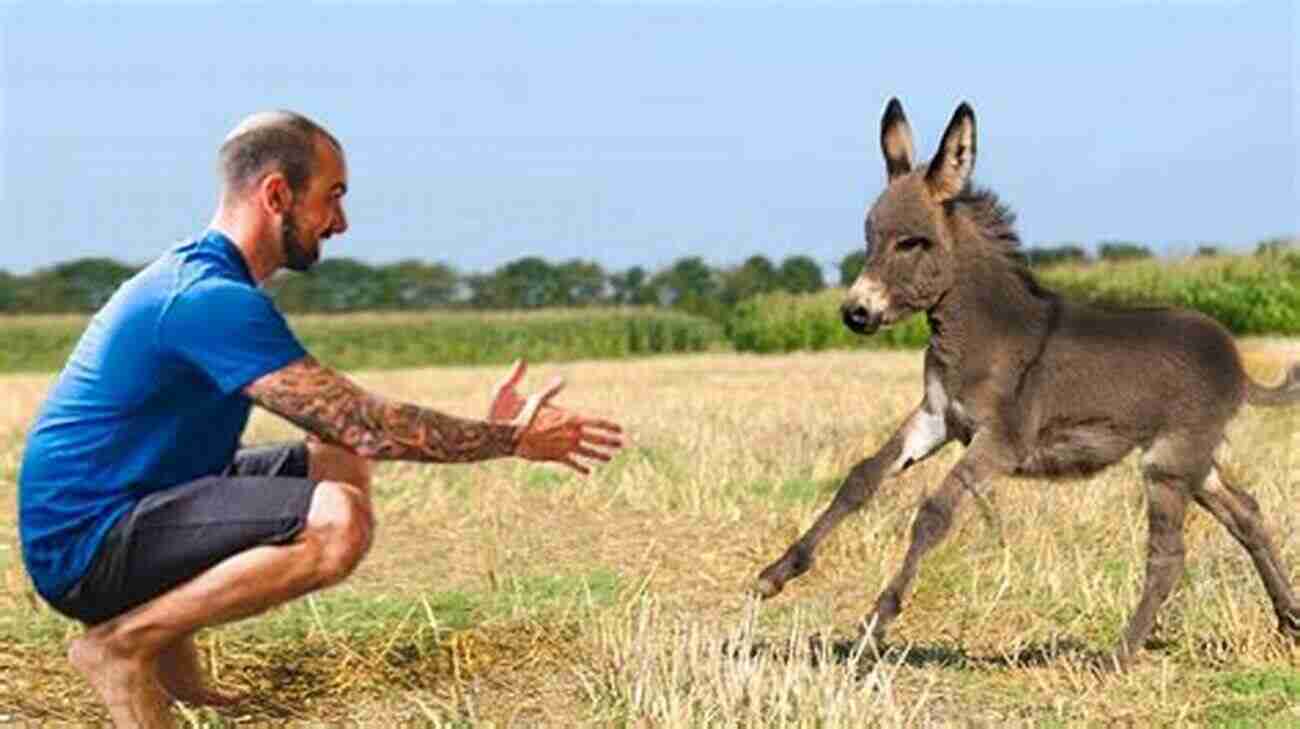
(203, 695)
(127, 687)
(181, 673)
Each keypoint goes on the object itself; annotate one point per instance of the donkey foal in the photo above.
(1034, 385)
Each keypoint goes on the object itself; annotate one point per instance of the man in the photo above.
(138, 514)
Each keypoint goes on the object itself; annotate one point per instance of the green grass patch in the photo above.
(1264, 697)
(795, 491)
(537, 592)
(364, 618)
(38, 343)
(381, 341)
(388, 341)
(545, 479)
(1283, 682)
(453, 609)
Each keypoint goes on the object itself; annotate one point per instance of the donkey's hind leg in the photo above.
(1239, 513)
(1166, 510)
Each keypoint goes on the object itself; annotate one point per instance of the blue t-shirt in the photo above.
(150, 398)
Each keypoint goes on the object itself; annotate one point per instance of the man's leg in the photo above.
(120, 657)
(179, 668)
(181, 674)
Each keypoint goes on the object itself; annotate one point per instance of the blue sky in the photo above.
(634, 134)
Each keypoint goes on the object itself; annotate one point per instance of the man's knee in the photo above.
(341, 524)
(327, 462)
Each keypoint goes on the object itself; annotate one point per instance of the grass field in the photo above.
(510, 595)
(393, 340)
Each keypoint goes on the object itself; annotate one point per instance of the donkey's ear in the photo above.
(952, 165)
(896, 140)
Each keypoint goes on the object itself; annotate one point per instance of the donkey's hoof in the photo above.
(1116, 662)
(765, 588)
(1288, 624)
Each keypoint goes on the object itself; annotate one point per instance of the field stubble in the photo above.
(510, 595)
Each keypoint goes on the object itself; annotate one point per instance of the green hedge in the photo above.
(378, 341)
(1248, 294)
(382, 341)
(38, 343)
(789, 322)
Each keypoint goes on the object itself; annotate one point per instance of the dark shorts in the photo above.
(172, 535)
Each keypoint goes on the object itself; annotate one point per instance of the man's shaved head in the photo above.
(270, 141)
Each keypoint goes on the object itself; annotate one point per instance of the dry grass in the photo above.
(509, 595)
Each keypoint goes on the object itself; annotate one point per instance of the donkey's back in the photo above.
(1110, 380)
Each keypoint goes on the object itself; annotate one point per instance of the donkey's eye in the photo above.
(911, 244)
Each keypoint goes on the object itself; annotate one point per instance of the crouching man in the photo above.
(139, 514)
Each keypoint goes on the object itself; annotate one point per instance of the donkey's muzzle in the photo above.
(857, 318)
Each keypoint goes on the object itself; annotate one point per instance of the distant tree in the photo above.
(8, 292)
(851, 265)
(687, 277)
(1276, 245)
(414, 284)
(82, 285)
(1053, 255)
(632, 287)
(1117, 250)
(526, 283)
(94, 280)
(480, 291)
(801, 275)
(581, 283)
(333, 285)
(755, 276)
(1207, 251)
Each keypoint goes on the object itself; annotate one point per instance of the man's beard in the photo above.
(296, 255)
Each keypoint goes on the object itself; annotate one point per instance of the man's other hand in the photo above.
(548, 432)
(507, 403)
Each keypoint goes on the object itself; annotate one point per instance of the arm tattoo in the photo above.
(333, 407)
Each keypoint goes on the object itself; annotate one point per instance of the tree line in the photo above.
(344, 284)
(531, 282)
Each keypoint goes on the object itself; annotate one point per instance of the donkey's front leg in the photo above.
(933, 521)
(922, 434)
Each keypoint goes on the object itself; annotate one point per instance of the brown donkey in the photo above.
(1034, 385)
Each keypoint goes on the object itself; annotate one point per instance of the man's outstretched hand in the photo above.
(549, 432)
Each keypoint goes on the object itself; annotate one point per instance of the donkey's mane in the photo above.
(995, 219)
(996, 222)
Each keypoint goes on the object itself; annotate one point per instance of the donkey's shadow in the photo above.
(822, 650)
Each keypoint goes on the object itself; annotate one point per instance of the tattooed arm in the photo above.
(326, 403)
(337, 410)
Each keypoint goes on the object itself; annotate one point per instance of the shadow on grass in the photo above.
(822, 650)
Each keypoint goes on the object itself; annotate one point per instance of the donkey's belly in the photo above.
(1075, 449)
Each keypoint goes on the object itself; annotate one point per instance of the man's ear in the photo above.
(275, 194)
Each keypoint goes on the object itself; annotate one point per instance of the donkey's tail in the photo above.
(1287, 393)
